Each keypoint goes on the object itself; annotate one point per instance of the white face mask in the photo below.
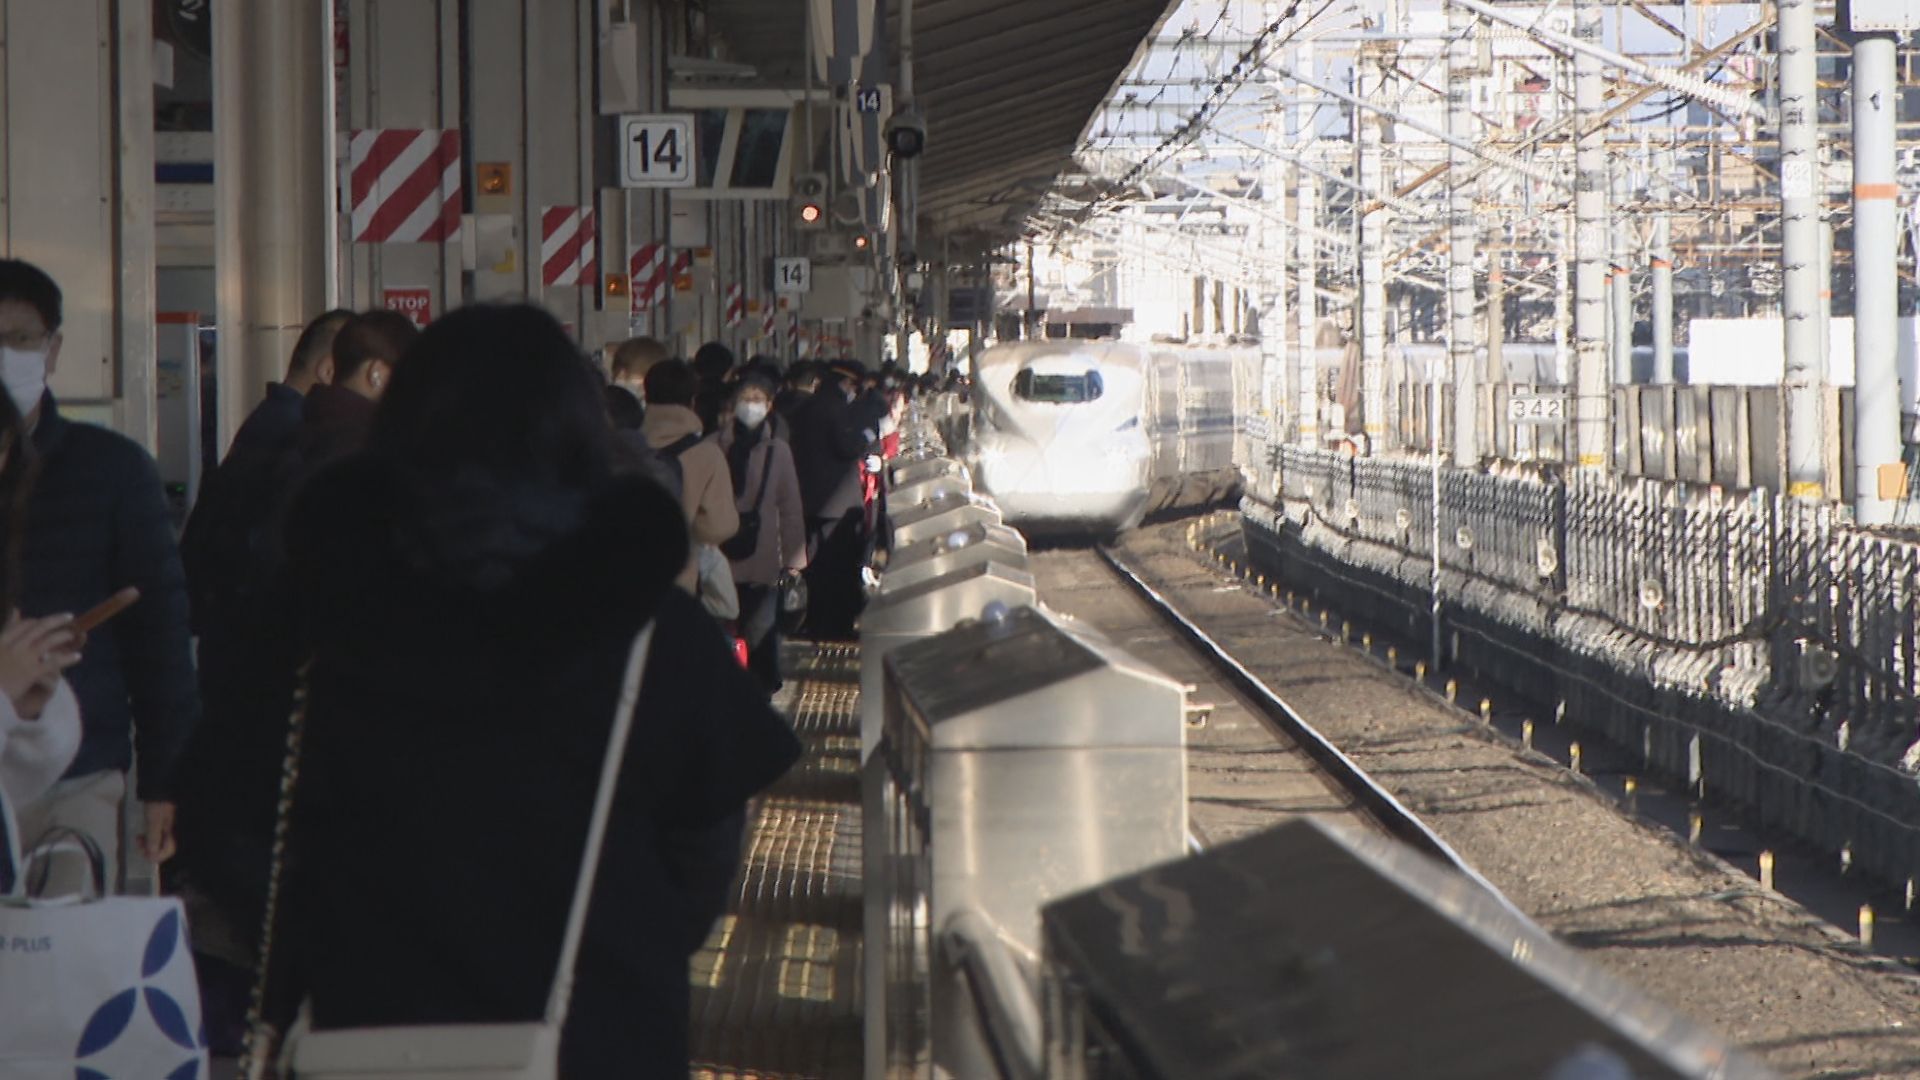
(751, 413)
(24, 371)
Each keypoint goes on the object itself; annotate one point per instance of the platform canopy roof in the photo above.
(1007, 87)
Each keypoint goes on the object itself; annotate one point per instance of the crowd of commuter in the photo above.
(412, 584)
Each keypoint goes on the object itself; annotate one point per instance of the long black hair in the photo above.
(494, 428)
(500, 388)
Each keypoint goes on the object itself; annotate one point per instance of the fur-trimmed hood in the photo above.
(447, 579)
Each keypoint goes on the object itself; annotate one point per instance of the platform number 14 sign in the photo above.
(657, 150)
(792, 276)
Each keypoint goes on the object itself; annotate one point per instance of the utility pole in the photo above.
(1305, 273)
(1660, 263)
(1461, 230)
(1592, 401)
(1805, 376)
(1879, 477)
(1620, 278)
(1496, 318)
(1276, 366)
(1373, 272)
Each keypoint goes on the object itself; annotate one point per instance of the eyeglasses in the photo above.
(25, 340)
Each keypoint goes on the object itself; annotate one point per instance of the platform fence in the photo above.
(1754, 646)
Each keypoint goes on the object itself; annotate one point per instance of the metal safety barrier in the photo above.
(1753, 646)
(1023, 760)
(1007, 759)
(1313, 950)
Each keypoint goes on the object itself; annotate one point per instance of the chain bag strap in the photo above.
(256, 1061)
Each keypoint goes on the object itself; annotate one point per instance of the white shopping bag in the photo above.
(98, 989)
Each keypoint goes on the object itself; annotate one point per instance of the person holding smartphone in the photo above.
(96, 522)
(39, 715)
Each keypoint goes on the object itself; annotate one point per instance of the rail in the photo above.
(1391, 814)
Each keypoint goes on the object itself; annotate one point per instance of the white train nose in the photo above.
(1082, 485)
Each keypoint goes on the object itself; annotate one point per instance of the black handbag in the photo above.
(793, 602)
(744, 542)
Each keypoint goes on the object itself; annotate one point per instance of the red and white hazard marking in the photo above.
(651, 281)
(567, 255)
(767, 323)
(736, 307)
(405, 185)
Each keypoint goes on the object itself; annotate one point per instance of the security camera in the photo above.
(907, 132)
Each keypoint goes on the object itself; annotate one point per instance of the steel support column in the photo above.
(1592, 400)
(273, 187)
(1496, 319)
(1306, 274)
(1876, 242)
(1800, 254)
(1620, 291)
(1660, 263)
(1462, 227)
(1373, 271)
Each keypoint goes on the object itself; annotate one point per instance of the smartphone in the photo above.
(106, 609)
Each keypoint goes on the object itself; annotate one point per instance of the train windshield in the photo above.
(1050, 389)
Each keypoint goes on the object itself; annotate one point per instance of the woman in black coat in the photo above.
(471, 586)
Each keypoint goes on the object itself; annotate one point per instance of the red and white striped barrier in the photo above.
(736, 307)
(651, 280)
(405, 185)
(567, 254)
(767, 322)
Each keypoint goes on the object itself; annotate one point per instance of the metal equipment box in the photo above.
(903, 472)
(1024, 758)
(947, 552)
(906, 496)
(1309, 950)
(944, 514)
(896, 617)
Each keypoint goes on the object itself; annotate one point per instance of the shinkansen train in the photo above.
(1091, 436)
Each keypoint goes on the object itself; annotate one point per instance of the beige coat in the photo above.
(783, 525)
(706, 489)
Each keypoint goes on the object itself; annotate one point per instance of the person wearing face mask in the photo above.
(97, 522)
(772, 540)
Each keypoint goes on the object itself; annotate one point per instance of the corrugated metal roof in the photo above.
(1007, 87)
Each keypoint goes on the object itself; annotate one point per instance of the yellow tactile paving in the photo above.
(776, 987)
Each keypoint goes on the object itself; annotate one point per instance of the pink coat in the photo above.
(783, 524)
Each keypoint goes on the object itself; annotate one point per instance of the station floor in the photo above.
(776, 989)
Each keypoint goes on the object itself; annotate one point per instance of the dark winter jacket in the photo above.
(97, 522)
(466, 664)
(249, 660)
(827, 442)
(231, 511)
(230, 773)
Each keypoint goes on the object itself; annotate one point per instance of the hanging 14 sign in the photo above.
(656, 150)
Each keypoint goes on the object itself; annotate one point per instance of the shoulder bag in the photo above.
(93, 984)
(744, 542)
(482, 1051)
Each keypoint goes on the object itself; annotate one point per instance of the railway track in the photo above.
(1369, 798)
(1636, 899)
(1298, 769)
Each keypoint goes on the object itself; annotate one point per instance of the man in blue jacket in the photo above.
(97, 522)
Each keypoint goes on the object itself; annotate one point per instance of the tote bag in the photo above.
(482, 1051)
(96, 987)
